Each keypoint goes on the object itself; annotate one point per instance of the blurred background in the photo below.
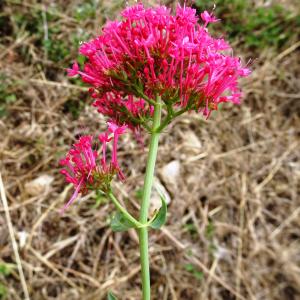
(233, 230)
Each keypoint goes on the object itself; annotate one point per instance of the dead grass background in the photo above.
(233, 229)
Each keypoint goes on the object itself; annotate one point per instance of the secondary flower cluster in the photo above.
(151, 52)
(84, 170)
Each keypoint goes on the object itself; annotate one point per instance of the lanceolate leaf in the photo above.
(110, 296)
(120, 223)
(161, 216)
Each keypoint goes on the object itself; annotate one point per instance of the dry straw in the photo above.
(13, 240)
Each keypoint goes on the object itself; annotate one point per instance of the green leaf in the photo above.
(10, 98)
(210, 230)
(3, 291)
(3, 111)
(189, 267)
(160, 218)
(197, 274)
(139, 194)
(110, 296)
(6, 269)
(81, 59)
(120, 223)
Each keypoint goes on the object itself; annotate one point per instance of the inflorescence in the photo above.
(84, 169)
(150, 57)
(151, 52)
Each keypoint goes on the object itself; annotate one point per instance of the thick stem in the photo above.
(143, 232)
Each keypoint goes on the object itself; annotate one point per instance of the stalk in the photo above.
(148, 182)
(123, 210)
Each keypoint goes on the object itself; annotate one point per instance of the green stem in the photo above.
(143, 232)
(123, 210)
(170, 116)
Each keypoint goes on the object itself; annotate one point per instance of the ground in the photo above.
(234, 213)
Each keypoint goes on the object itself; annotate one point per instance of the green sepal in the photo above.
(110, 296)
(160, 217)
(120, 223)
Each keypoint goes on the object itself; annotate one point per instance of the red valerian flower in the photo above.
(151, 53)
(208, 18)
(82, 168)
(116, 131)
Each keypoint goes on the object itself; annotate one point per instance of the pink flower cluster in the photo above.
(81, 165)
(152, 52)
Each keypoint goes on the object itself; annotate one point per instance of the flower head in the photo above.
(151, 52)
(79, 166)
(82, 168)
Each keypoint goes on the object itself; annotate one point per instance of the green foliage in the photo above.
(3, 291)
(5, 270)
(56, 50)
(160, 216)
(191, 228)
(209, 230)
(256, 27)
(110, 296)
(194, 271)
(81, 60)
(74, 107)
(86, 10)
(6, 97)
(268, 27)
(209, 234)
(48, 32)
(120, 223)
(139, 194)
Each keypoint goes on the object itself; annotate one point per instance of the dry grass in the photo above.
(234, 217)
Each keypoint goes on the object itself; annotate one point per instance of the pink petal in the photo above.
(74, 196)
